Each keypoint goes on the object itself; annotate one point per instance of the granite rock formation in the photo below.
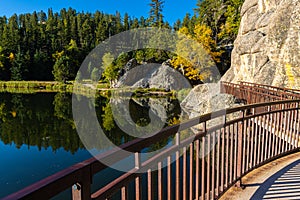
(206, 98)
(154, 76)
(267, 48)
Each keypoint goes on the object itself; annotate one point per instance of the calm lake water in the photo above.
(38, 136)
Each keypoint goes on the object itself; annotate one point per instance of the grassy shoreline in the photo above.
(34, 86)
(86, 88)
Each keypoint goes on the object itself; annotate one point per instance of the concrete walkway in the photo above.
(279, 179)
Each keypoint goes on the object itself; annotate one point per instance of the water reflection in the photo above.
(40, 120)
(116, 120)
(45, 119)
(38, 136)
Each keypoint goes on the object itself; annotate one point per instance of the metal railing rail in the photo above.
(254, 93)
(270, 87)
(212, 160)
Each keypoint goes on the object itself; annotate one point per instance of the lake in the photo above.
(38, 136)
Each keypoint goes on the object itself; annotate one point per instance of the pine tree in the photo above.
(229, 29)
(61, 67)
(41, 67)
(87, 34)
(134, 24)
(2, 59)
(101, 30)
(177, 25)
(126, 22)
(17, 65)
(143, 22)
(117, 24)
(221, 16)
(12, 35)
(155, 14)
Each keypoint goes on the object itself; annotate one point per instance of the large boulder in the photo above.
(154, 76)
(206, 98)
(267, 48)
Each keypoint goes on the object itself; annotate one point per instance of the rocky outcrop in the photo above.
(154, 76)
(206, 98)
(267, 48)
(132, 63)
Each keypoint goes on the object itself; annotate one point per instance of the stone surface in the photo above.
(267, 48)
(154, 76)
(206, 98)
(132, 63)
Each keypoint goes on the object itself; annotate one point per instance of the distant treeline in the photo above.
(29, 42)
(52, 46)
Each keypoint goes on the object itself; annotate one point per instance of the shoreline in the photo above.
(86, 88)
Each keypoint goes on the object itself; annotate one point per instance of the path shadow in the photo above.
(285, 184)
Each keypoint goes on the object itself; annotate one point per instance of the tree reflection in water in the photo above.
(45, 119)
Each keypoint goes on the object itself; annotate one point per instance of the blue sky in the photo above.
(173, 9)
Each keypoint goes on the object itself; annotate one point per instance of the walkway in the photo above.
(279, 179)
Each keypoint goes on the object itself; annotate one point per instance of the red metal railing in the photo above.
(254, 93)
(212, 160)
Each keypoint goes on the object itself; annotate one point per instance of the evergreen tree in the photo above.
(117, 23)
(126, 22)
(41, 67)
(177, 25)
(51, 32)
(101, 30)
(11, 34)
(134, 24)
(87, 34)
(229, 29)
(155, 14)
(143, 22)
(2, 59)
(221, 16)
(61, 68)
(17, 66)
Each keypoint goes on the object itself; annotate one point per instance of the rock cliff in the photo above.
(267, 48)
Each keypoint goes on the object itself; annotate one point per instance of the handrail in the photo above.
(243, 142)
(270, 86)
(253, 92)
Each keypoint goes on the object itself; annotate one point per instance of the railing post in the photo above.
(82, 190)
(138, 189)
(297, 126)
(240, 151)
(177, 195)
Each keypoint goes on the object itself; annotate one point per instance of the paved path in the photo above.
(285, 184)
(279, 179)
